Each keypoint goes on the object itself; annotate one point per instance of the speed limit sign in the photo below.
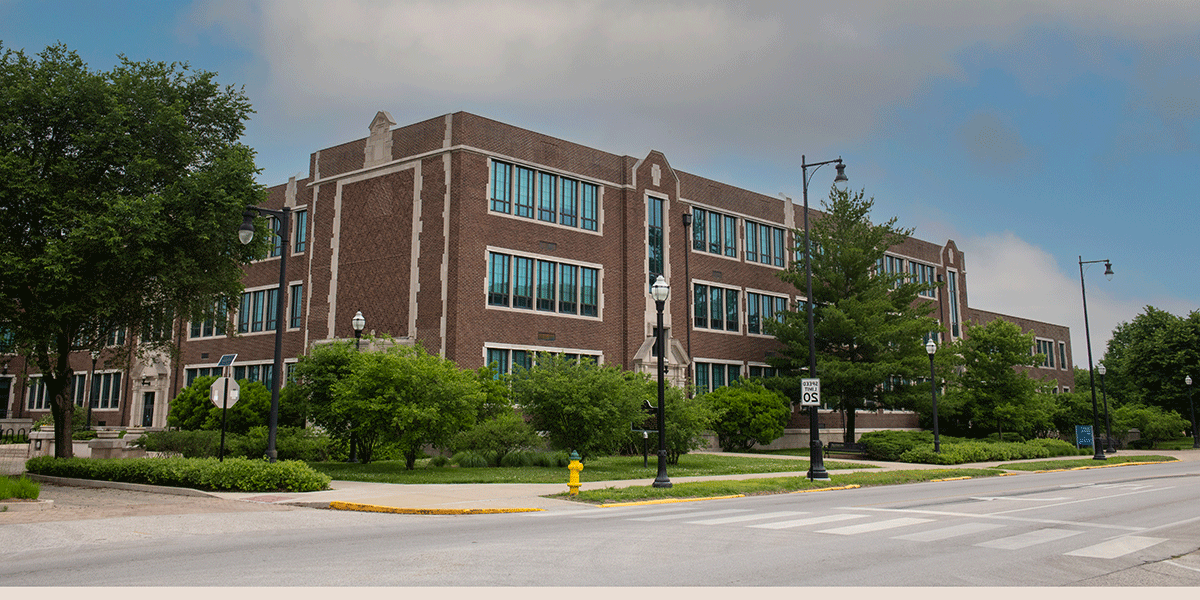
(810, 392)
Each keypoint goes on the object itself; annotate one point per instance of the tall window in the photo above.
(257, 311)
(545, 300)
(501, 178)
(922, 273)
(569, 203)
(1046, 348)
(654, 208)
(546, 193)
(523, 290)
(715, 307)
(1062, 354)
(588, 193)
(78, 389)
(952, 278)
(589, 305)
(764, 244)
(277, 246)
(498, 288)
(37, 394)
(568, 289)
(211, 327)
(713, 232)
(297, 297)
(761, 308)
(524, 192)
(301, 232)
(730, 236)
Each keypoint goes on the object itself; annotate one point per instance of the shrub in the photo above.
(746, 413)
(291, 443)
(499, 436)
(234, 474)
(23, 488)
(439, 461)
(469, 460)
(890, 445)
(190, 444)
(551, 459)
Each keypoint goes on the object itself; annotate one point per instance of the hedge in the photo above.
(232, 475)
(917, 447)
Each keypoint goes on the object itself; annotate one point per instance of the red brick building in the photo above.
(487, 242)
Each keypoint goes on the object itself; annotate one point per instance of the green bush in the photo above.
(439, 461)
(551, 459)
(917, 447)
(501, 435)
(190, 444)
(468, 459)
(23, 488)
(889, 445)
(746, 413)
(291, 443)
(234, 474)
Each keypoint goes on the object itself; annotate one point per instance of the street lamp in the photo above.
(1195, 435)
(1107, 417)
(245, 234)
(816, 465)
(1098, 454)
(91, 387)
(931, 349)
(358, 323)
(660, 291)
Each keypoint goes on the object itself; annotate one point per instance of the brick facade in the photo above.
(408, 238)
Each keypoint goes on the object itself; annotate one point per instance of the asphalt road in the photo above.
(1127, 526)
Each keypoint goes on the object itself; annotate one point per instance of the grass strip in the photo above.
(771, 485)
(1042, 466)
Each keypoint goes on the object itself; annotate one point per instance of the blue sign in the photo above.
(1083, 435)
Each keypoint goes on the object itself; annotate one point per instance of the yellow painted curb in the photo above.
(1124, 464)
(670, 501)
(337, 505)
(1007, 474)
(951, 479)
(828, 489)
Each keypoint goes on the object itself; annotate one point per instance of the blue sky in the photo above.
(1031, 133)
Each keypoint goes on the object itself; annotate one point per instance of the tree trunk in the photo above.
(849, 425)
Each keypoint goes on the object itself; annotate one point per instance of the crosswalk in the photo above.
(978, 532)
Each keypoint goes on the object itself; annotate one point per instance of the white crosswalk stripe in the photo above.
(703, 513)
(1028, 539)
(1117, 547)
(875, 526)
(607, 513)
(807, 521)
(945, 533)
(753, 517)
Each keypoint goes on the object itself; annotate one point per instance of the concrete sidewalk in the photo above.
(504, 497)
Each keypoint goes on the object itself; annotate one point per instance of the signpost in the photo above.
(224, 393)
(810, 392)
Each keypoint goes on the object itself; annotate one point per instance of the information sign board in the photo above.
(1083, 435)
(810, 392)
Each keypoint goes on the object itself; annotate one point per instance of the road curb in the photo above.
(120, 485)
(1124, 464)
(26, 506)
(354, 506)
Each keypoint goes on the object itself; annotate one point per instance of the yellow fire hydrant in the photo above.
(575, 466)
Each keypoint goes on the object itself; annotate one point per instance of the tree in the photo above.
(193, 409)
(687, 419)
(121, 193)
(1149, 357)
(582, 406)
(747, 413)
(1152, 422)
(408, 397)
(311, 391)
(869, 326)
(987, 390)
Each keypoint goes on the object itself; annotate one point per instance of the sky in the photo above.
(1034, 134)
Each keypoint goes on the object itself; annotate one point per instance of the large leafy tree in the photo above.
(746, 413)
(581, 405)
(869, 326)
(406, 397)
(121, 193)
(984, 387)
(1149, 357)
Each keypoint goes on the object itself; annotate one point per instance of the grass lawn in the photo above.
(21, 488)
(1074, 463)
(607, 468)
(772, 485)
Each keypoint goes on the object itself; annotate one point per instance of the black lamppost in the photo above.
(91, 387)
(816, 468)
(931, 349)
(660, 291)
(1195, 434)
(1098, 454)
(358, 323)
(1107, 417)
(245, 234)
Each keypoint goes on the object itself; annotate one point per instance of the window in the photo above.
(301, 233)
(1046, 348)
(516, 190)
(731, 236)
(890, 265)
(569, 202)
(506, 360)
(297, 296)
(764, 244)
(258, 311)
(261, 372)
(106, 391)
(654, 210)
(524, 192)
(716, 308)
(79, 389)
(501, 178)
(952, 278)
(115, 337)
(1062, 355)
(923, 274)
(561, 287)
(761, 308)
(714, 233)
(37, 395)
(546, 193)
(756, 371)
(211, 327)
(190, 375)
(710, 376)
(277, 246)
